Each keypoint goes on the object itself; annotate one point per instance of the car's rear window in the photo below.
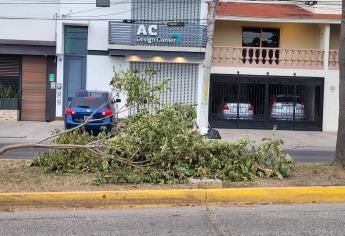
(288, 99)
(235, 101)
(91, 102)
(91, 94)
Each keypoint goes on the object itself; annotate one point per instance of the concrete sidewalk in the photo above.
(304, 146)
(292, 139)
(26, 131)
(30, 130)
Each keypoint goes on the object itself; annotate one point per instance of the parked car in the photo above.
(283, 108)
(84, 104)
(244, 108)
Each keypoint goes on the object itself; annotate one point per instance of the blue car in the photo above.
(84, 104)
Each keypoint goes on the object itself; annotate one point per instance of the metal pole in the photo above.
(203, 121)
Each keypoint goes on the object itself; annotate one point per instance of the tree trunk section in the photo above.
(340, 149)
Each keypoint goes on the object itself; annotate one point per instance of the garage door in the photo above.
(261, 102)
(182, 81)
(34, 72)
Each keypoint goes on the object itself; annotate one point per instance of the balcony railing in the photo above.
(333, 62)
(268, 57)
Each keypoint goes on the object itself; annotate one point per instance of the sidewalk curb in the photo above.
(178, 197)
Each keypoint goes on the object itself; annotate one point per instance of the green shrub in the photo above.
(8, 91)
(71, 160)
(163, 148)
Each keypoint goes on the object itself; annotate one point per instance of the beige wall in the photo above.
(335, 37)
(301, 36)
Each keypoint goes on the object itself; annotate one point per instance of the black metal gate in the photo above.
(266, 102)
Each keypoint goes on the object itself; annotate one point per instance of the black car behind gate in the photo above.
(266, 102)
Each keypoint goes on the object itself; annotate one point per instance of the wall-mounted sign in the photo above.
(152, 34)
(51, 77)
(148, 34)
(151, 30)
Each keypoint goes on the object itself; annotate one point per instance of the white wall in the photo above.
(331, 101)
(199, 93)
(204, 12)
(264, 71)
(96, 18)
(83, 15)
(59, 91)
(100, 71)
(27, 29)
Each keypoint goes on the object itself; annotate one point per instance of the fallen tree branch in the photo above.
(49, 146)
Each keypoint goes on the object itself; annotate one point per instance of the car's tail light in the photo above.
(107, 112)
(225, 107)
(274, 101)
(251, 108)
(69, 111)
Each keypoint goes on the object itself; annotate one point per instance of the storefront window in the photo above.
(75, 40)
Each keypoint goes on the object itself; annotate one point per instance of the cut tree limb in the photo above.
(50, 146)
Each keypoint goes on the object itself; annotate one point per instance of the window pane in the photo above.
(75, 40)
(251, 37)
(270, 38)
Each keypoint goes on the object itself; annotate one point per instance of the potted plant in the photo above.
(9, 95)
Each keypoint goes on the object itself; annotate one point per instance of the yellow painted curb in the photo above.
(140, 198)
(181, 197)
(293, 195)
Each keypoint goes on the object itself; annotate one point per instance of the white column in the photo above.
(326, 38)
(205, 86)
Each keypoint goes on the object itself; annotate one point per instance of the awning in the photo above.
(146, 53)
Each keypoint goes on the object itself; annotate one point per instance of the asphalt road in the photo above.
(316, 219)
(310, 155)
(21, 154)
(304, 155)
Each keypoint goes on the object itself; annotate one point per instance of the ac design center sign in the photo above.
(148, 34)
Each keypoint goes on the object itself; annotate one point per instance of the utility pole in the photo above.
(203, 112)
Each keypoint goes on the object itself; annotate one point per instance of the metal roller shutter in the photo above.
(10, 69)
(183, 81)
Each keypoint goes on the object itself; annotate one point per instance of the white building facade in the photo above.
(165, 35)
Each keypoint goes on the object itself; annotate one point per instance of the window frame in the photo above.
(256, 27)
(65, 39)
